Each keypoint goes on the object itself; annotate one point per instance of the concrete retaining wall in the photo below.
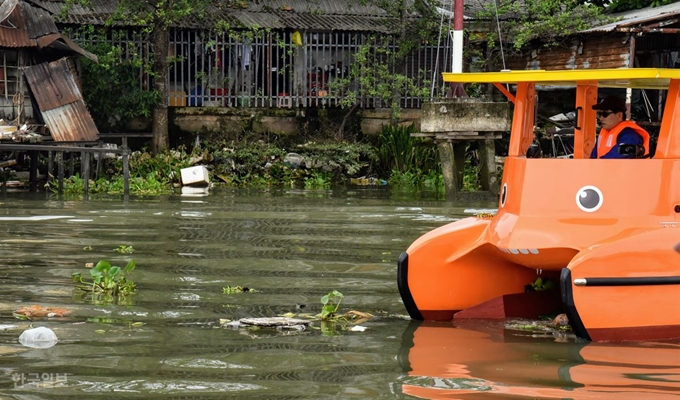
(279, 121)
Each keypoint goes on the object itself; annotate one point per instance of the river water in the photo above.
(292, 247)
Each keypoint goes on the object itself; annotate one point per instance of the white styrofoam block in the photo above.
(195, 175)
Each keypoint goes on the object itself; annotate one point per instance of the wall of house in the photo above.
(606, 50)
(14, 99)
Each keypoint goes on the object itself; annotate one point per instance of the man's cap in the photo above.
(612, 103)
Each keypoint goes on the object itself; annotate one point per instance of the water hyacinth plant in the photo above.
(330, 304)
(109, 282)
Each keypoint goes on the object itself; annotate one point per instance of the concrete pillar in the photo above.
(459, 162)
(448, 169)
(488, 173)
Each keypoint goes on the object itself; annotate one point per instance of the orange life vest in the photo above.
(607, 139)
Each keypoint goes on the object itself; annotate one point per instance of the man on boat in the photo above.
(618, 138)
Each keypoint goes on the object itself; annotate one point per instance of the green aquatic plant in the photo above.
(318, 180)
(123, 249)
(399, 151)
(238, 289)
(109, 282)
(540, 285)
(330, 304)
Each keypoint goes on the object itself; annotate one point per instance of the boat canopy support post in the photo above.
(584, 131)
(668, 145)
(523, 119)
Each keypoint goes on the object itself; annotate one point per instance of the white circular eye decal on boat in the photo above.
(589, 198)
(504, 194)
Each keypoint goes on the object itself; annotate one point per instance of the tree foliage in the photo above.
(371, 77)
(111, 86)
(155, 18)
(377, 71)
(546, 20)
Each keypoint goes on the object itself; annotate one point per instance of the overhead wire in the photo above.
(436, 65)
(500, 36)
(436, 62)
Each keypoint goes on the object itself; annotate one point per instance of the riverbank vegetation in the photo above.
(394, 158)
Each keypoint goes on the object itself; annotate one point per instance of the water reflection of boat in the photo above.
(602, 230)
(443, 361)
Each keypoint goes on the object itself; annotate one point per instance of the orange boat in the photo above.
(603, 230)
(475, 361)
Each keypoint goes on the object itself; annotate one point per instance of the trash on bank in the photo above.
(363, 181)
(195, 181)
(195, 176)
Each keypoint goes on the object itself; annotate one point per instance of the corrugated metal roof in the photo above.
(344, 7)
(23, 26)
(60, 102)
(36, 21)
(281, 20)
(642, 16)
(27, 26)
(351, 15)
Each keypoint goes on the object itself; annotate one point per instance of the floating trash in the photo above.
(38, 338)
(277, 323)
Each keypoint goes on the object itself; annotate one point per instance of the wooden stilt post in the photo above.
(50, 166)
(126, 172)
(99, 162)
(71, 164)
(4, 181)
(33, 173)
(60, 172)
(85, 162)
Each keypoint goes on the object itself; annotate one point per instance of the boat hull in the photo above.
(450, 269)
(592, 225)
(627, 289)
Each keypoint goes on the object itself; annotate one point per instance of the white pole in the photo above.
(458, 11)
(457, 62)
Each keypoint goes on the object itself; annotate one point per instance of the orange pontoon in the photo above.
(603, 230)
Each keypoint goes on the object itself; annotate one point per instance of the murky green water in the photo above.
(292, 247)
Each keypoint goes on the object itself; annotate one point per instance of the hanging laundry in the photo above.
(246, 55)
(297, 38)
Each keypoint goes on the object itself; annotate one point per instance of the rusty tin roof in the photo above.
(640, 17)
(60, 102)
(22, 25)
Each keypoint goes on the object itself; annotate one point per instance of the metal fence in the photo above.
(280, 69)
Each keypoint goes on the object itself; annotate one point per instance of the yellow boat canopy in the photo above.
(636, 78)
